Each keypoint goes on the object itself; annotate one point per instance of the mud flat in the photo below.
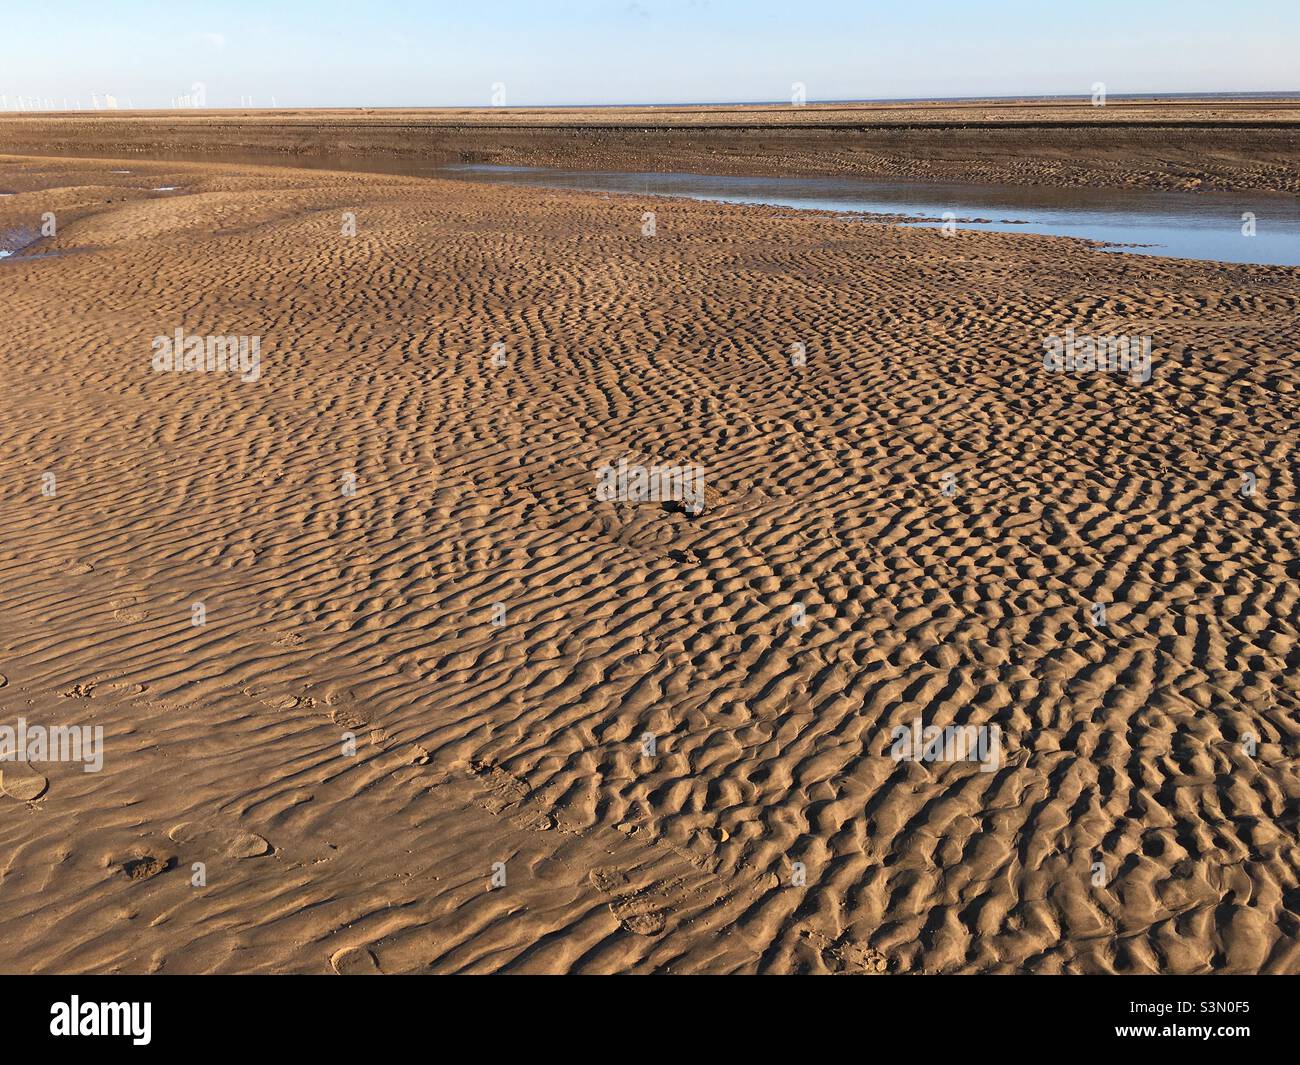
(1215, 144)
(386, 686)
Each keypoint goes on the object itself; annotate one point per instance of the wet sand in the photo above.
(410, 734)
(1213, 144)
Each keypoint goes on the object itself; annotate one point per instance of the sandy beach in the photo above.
(387, 684)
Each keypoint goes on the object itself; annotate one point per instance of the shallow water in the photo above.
(1185, 225)
(13, 241)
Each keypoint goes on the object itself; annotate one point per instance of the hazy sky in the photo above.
(338, 53)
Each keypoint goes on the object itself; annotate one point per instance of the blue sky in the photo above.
(378, 53)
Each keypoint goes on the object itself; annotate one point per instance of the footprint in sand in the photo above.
(275, 700)
(215, 839)
(610, 881)
(128, 607)
(642, 922)
(85, 690)
(635, 910)
(504, 789)
(348, 717)
(355, 961)
(147, 866)
(340, 706)
(125, 688)
(846, 956)
(342, 703)
(534, 821)
(23, 783)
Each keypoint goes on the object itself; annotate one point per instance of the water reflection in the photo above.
(1187, 225)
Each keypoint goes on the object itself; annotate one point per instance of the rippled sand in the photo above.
(916, 523)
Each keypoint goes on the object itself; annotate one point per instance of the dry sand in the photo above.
(944, 511)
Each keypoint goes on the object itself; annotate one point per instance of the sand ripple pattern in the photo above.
(371, 616)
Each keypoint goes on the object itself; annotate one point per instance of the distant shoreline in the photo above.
(1229, 143)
